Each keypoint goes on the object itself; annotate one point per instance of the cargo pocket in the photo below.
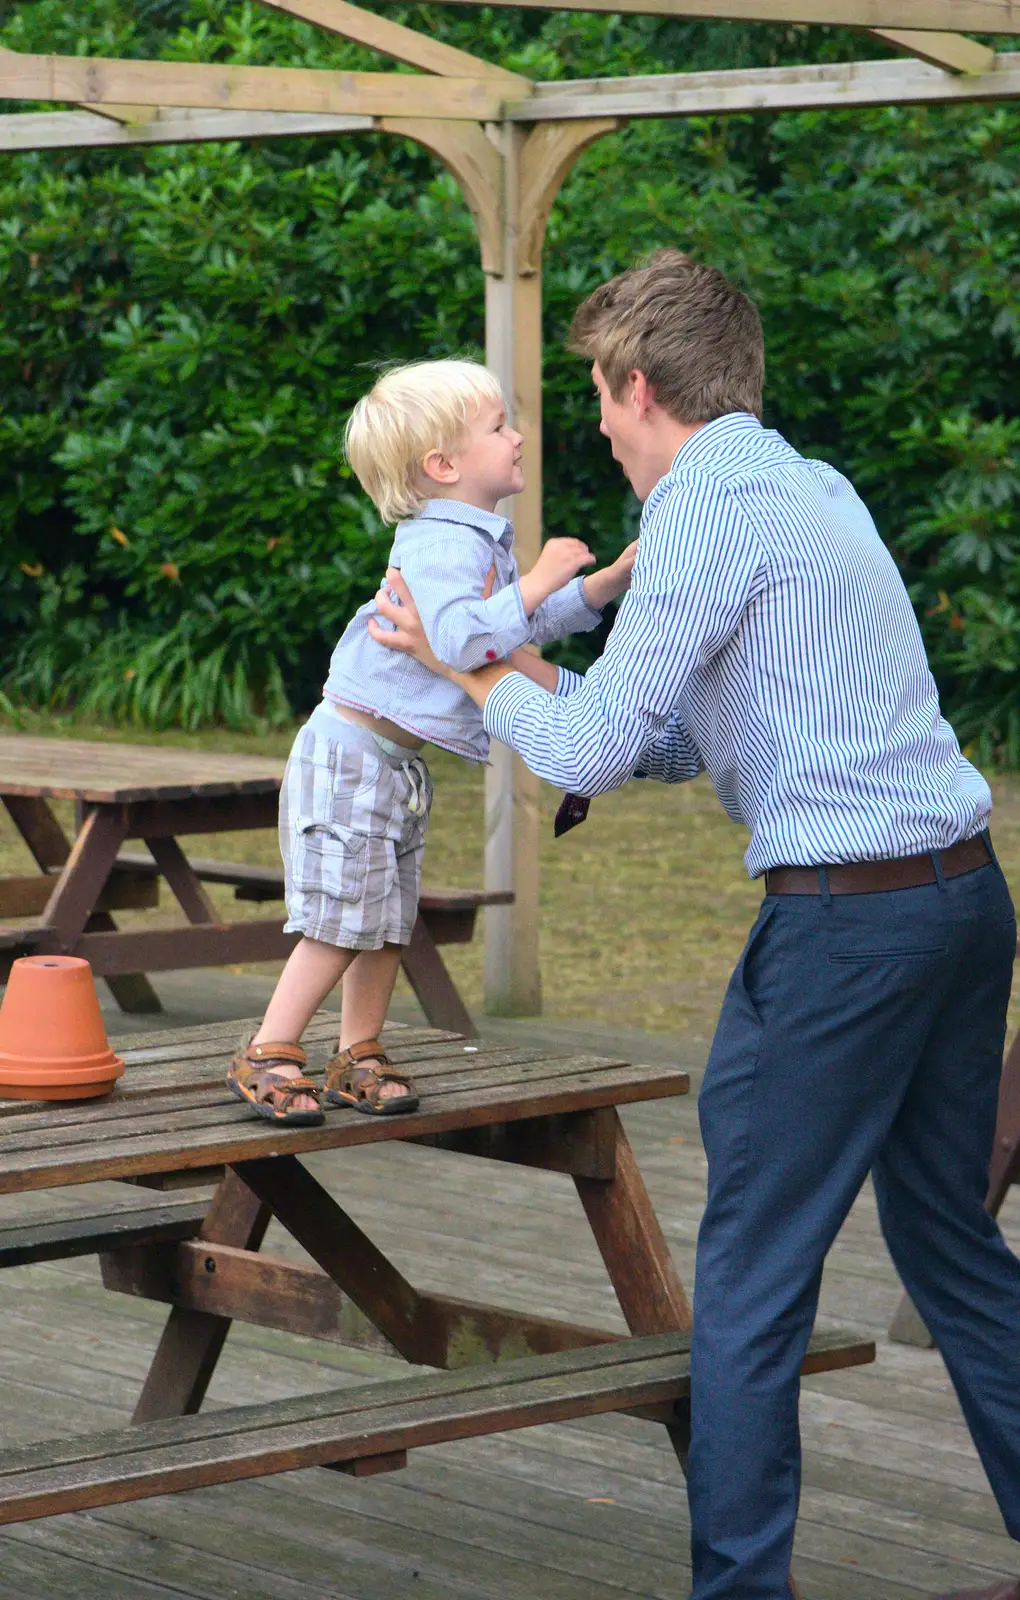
(329, 859)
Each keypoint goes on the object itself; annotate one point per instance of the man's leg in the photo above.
(820, 1032)
(930, 1178)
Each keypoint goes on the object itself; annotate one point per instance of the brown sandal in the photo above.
(272, 1094)
(348, 1084)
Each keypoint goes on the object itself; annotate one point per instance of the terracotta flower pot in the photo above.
(53, 1043)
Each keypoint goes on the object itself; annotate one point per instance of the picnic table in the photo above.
(497, 1369)
(159, 795)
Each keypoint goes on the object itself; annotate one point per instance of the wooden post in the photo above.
(510, 178)
(534, 167)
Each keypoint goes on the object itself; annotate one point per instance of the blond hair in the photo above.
(697, 339)
(408, 412)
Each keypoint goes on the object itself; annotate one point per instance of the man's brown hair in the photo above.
(697, 339)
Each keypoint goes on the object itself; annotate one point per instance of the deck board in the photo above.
(895, 1503)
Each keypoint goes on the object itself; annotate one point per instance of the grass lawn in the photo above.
(644, 908)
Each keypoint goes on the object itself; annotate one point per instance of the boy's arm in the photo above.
(464, 626)
(578, 607)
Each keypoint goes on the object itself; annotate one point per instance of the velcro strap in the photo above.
(265, 1053)
(368, 1048)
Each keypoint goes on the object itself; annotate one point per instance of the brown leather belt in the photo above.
(876, 877)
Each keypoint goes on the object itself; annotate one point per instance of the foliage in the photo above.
(183, 331)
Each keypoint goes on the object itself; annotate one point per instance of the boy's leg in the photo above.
(368, 985)
(312, 972)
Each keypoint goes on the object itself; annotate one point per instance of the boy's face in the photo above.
(488, 461)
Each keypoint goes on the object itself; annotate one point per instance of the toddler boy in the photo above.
(432, 447)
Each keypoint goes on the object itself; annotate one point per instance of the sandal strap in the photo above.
(367, 1049)
(264, 1082)
(293, 1054)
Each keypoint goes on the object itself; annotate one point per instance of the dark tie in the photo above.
(573, 809)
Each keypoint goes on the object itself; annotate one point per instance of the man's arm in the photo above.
(698, 565)
(671, 758)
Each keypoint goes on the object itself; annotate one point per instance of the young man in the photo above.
(768, 638)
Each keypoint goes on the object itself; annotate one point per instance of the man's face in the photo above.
(621, 426)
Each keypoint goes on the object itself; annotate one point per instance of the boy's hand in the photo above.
(560, 560)
(610, 582)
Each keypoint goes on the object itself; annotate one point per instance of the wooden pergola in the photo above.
(509, 143)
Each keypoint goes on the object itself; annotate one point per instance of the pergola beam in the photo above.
(863, 83)
(115, 113)
(84, 79)
(393, 39)
(832, 88)
(71, 130)
(930, 16)
(954, 52)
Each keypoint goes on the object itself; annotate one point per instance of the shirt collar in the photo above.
(489, 522)
(715, 437)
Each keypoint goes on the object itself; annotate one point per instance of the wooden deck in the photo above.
(895, 1504)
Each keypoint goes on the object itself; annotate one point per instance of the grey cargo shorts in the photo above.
(352, 835)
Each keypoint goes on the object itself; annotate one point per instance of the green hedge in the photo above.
(183, 332)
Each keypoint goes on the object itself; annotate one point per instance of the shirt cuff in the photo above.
(568, 682)
(502, 703)
(510, 624)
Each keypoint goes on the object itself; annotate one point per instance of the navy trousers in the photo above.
(858, 1032)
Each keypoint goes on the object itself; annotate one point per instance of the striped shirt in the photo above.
(768, 638)
(445, 555)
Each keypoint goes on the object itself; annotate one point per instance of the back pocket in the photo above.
(329, 859)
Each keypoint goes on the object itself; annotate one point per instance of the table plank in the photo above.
(79, 769)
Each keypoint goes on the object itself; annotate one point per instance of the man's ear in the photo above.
(440, 468)
(641, 393)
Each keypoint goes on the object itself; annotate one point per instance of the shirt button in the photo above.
(490, 655)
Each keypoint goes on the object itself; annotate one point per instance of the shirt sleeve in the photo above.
(671, 758)
(565, 611)
(446, 577)
(698, 565)
(568, 681)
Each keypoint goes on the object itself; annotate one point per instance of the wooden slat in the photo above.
(27, 897)
(968, 16)
(954, 52)
(273, 1293)
(233, 1136)
(244, 874)
(393, 39)
(830, 87)
(173, 1115)
(174, 83)
(78, 769)
(166, 1456)
(62, 130)
(54, 1238)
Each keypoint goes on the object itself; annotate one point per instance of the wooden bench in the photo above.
(449, 914)
(366, 1429)
(86, 1233)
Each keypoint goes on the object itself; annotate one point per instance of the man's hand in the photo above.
(407, 633)
(561, 560)
(408, 636)
(610, 582)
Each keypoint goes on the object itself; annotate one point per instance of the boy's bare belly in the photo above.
(380, 725)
